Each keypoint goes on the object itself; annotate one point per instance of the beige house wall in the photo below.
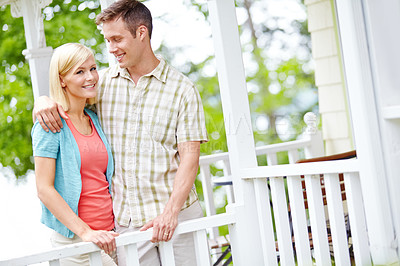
(333, 108)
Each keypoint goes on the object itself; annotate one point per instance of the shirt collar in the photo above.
(160, 72)
(117, 71)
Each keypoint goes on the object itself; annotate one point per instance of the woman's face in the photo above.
(81, 81)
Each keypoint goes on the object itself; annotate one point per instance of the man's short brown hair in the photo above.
(133, 13)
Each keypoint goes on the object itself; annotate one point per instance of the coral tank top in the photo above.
(95, 203)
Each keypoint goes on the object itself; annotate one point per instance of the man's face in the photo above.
(126, 49)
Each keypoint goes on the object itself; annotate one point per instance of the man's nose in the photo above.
(111, 47)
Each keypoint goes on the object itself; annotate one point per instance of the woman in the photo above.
(74, 167)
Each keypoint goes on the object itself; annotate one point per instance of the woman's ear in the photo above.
(62, 82)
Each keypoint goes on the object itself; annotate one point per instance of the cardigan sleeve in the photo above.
(44, 144)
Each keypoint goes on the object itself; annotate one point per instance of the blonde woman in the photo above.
(74, 166)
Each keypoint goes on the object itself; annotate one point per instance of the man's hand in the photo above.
(48, 112)
(163, 226)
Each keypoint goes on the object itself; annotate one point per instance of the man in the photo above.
(153, 117)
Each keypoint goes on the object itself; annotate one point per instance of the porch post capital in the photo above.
(39, 62)
(37, 53)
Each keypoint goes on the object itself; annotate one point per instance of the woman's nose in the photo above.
(89, 76)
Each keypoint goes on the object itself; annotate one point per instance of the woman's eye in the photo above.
(79, 72)
(93, 68)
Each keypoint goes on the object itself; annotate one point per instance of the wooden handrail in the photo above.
(339, 156)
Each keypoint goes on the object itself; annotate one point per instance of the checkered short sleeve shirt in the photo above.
(144, 123)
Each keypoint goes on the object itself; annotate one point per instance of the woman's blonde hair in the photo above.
(64, 58)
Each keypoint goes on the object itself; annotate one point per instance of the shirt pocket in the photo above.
(160, 127)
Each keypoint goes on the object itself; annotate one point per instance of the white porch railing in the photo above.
(279, 242)
(129, 241)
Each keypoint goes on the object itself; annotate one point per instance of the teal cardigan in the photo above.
(63, 147)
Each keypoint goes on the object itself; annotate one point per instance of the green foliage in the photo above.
(15, 96)
(16, 122)
(280, 90)
(73, 21)
(64, 21)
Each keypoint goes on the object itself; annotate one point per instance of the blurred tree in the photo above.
(15, 96)
(64, 21)
(73, 21)
(280, 81)
(279, 77)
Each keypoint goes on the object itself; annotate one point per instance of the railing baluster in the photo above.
(208, 196)
(265, 221)
(317, 219)
(279, 202)
(228, 188)
(226, 167)
(293, 156)
(132, 256)
(201, 247)
(299, 220)
(207, 189)
(358, 227)
(272, 159)
(336, 219)
(54, 263)
(167, 253)
(95, 258)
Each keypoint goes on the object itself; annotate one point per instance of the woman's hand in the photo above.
(103, 239)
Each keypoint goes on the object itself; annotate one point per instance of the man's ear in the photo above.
(142, 32)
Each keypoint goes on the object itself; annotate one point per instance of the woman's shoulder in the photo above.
(38, 131)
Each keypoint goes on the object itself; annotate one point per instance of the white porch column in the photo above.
(245, 235)
(104, 4)
(383, 22)
(39, 62)
(36, 53)
(364, 105)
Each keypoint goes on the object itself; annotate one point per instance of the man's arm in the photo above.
(48, 113)
(164, 225)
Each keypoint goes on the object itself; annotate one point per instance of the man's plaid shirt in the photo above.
(144, 123)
